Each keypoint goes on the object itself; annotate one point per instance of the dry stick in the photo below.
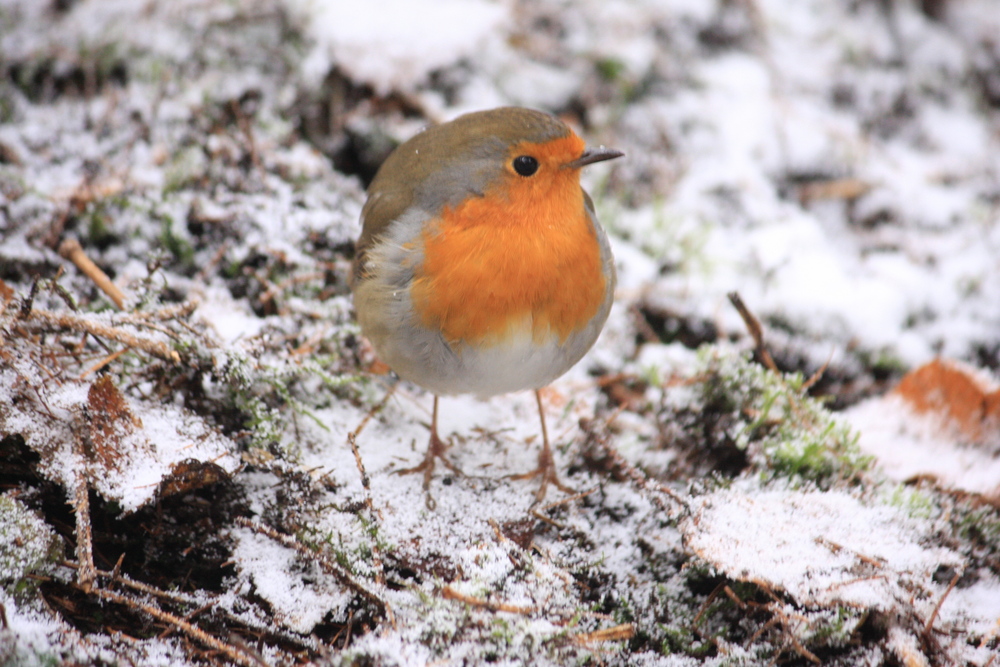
(86, 574)
(192, 631)
(71, 250)
(708, 602)
(115, 577)
(815, 377)
(352, 440)
(138, 585)
(187, 617)
(330, 566)
(616, 633)
(86, 325)
(449, 593)
(930, 621)
(756, 331)
(641, 480)
(102, 363)
(161, 315)
(537, 512)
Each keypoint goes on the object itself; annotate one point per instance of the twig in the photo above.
(815, 377)
(951, 586)
(193, 631)
(837, 548)
(86, 574)
(118, 578)
(163, 314)
(566, 501)
(202, 275)
(634, 474)
(274, 290)
(86, 325)
(708, 603)
(352, 440)
(333, 568)
(450, 593)
(537, 512)
(73, 251)
(107, 359)
(617, 633)
(756, 331)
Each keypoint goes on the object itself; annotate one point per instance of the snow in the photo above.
(393, 44)
(822, 548)
(726, 112)
(272, 570)
(910, 445)
(146, 447)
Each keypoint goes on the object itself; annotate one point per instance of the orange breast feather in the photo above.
(518, 256)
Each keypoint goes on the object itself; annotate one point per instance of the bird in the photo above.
(481, 267)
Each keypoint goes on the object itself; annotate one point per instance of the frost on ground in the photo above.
(200, 470)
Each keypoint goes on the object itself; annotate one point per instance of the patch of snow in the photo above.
(822, 548)
(393, 44)
(909, 445)
(300, 594)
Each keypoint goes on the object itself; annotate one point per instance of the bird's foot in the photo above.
(547, 471)
(436, 449)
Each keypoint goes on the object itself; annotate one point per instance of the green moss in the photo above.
(28, 546)
(785, 432)
(915, 502)
(610, 69)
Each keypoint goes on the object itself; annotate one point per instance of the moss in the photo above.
(28, 546)
(915, 502)
(785, 432)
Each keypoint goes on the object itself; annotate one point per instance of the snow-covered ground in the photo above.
(836, 163)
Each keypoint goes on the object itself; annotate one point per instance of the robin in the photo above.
(481, 267)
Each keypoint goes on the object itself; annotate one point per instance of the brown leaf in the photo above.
(967, 403)
(109, 420)
(190, 474)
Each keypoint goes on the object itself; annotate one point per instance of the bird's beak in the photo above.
(592, 155)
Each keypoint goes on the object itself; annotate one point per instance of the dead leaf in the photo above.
(109, 420)
(966, 401)
(191, 474)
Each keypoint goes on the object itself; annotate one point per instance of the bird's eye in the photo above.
(525, 165)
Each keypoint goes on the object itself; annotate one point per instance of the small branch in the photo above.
(107, 359)
(193, 631)
(86, 573)
(352, 440)
(621, 632)
(331, 567)
(637, 477)
(86, 325)
(73, 251)
(756, 331)
(708, 603)
(117, 578)
(162, 315)
(449, 593)
(951, 586)
(817, 376)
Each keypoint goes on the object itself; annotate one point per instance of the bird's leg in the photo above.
(546, 464)
(436, 449)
